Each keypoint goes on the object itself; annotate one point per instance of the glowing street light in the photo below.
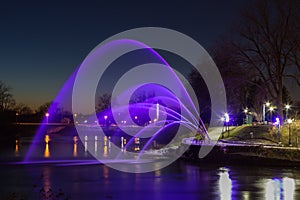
(271, 109)
(278, 125)
(246, 113)
(289, 122)
(17, 115)
(264, 111)
(105, 118)
(226, 118)
(75, 116)
(287, 107)
(47, 116)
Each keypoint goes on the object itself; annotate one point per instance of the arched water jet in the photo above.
(154, 135)
(107, 54)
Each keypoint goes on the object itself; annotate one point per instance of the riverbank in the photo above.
(246, 154)
(252, 145)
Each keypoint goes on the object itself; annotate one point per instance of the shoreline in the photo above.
(246, 155)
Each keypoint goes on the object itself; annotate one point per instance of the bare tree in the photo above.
(236, 77)
(23, 109)
(42, 109)
(103, 102)
(6, 98)
(268, 43)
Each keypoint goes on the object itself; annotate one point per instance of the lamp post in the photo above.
(17, 115)
(287, 107)
(226, 117)
(278, 125)
(223, 120)
(246, 113)
(267, 104)
(75, 116)
(271, 109)
(47, 116)
(105, 118)
(289, 122)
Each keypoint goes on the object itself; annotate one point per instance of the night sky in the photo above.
(42, 42)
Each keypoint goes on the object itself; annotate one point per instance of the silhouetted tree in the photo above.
(268, 43)
(104, 102)
(237, 78)
(23, 109)
(201, 91)
(7, 101)
(42, 109)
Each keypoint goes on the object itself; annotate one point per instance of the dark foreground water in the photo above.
(69, 177)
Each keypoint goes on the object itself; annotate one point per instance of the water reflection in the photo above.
(96, 147)
(105, 171)
(47, 139)
(85, 146)
(246, 195)
(46, 192)
(136, 144)
(109, 143)
(288, 188)
(280, 188)
(273, 187)
(17, 148)
(75, 139)
(225, 184)
(75, 150)
(105, 151)
(47, 151)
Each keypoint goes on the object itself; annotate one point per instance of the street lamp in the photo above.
(246, 113)
(47, 116)
(278, 125)
(17, 114)
(226, 117)
(271, 109)
(223, 120)
(264, 110)
(105, 118)
(75, 116)
(287, 107)
(289, 122)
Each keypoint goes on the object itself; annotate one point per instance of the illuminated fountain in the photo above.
(170, 113)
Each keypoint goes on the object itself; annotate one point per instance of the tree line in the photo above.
(11, 111)
(259, 56)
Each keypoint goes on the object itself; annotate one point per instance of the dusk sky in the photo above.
(42, 42)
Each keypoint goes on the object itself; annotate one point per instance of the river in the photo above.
(70, 176)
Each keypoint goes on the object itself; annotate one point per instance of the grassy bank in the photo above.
(246, 155)
(267, 134)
